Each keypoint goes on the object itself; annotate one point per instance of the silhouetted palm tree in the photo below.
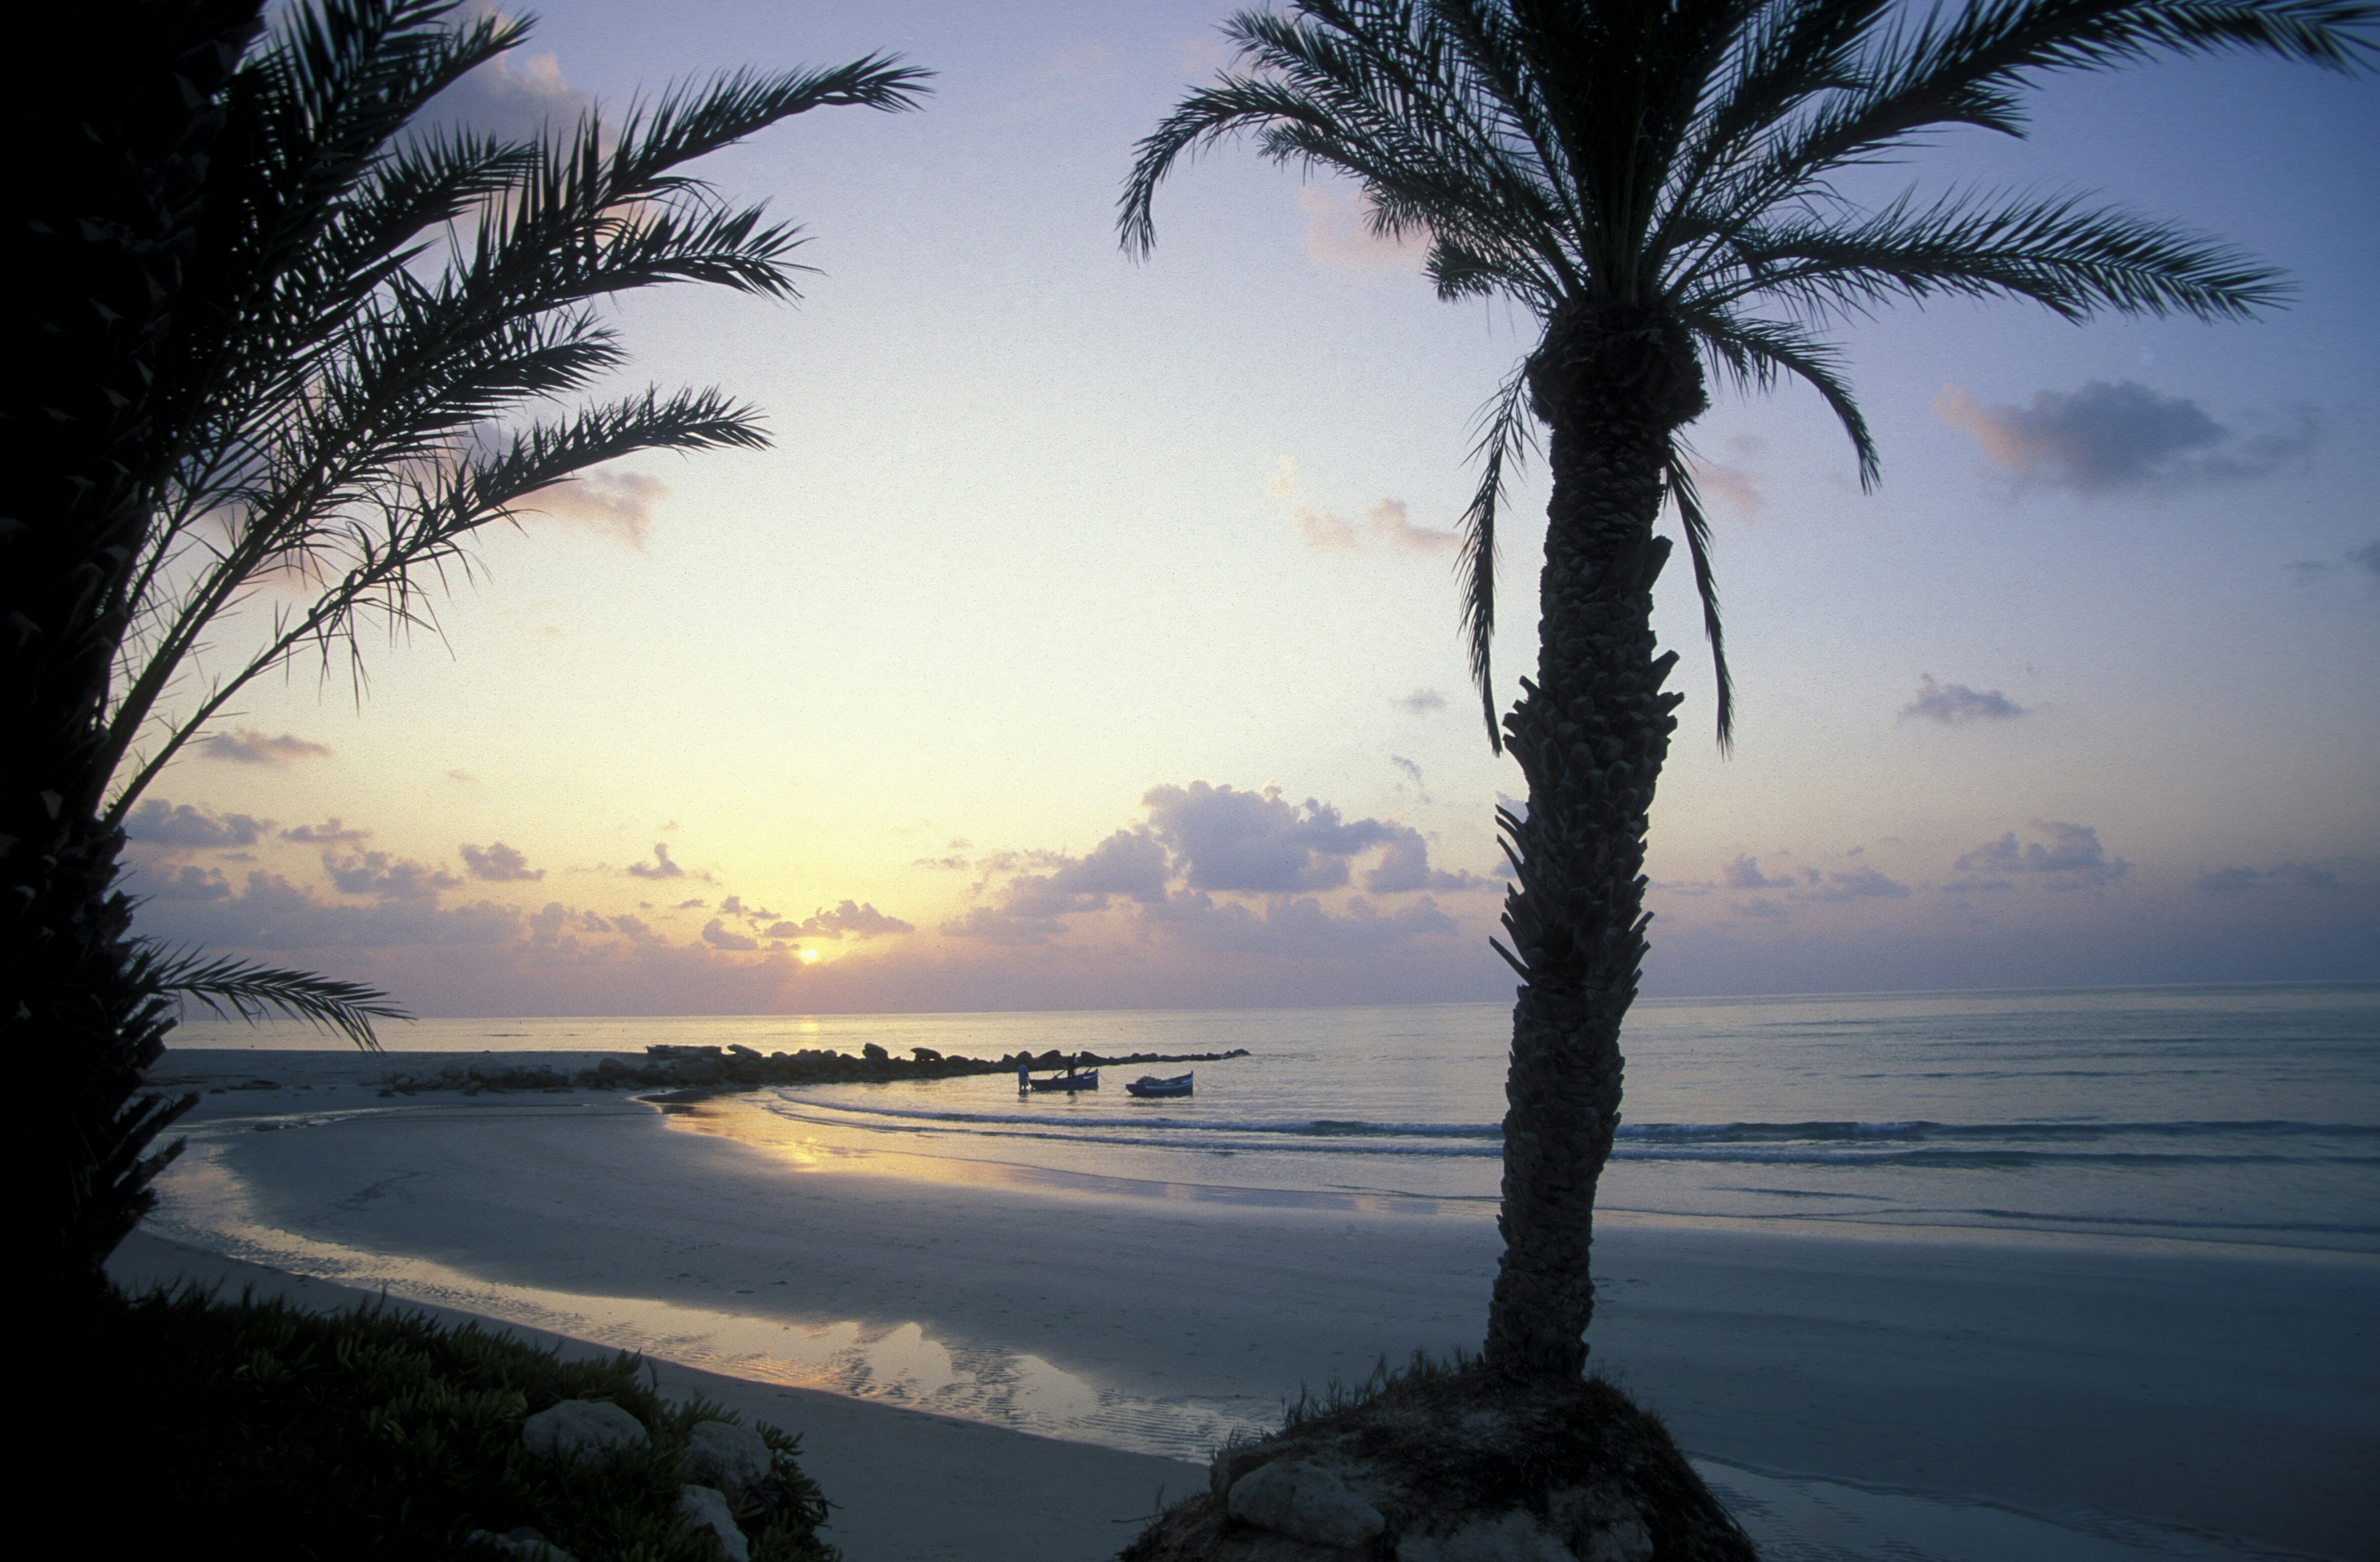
(1656, 181)
(103, 200)
(336, 401)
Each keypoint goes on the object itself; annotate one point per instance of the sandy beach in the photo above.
(962, 1347)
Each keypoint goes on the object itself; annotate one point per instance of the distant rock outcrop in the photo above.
(741, 1067)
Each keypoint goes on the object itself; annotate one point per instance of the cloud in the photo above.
(1405, 867)
(1131, 863)
(1230, 839)
(1744, 874)
(618, 504)
(499, 863)
(246, 746)
(1327, 534)
(190, 883)
(186, 826)
(1731, 483)
(2108, 436)
(2366, 558)
(2240, 881)
(861, 921)
(1420, 702)
(1297, 927)
(332, 831)
(1199, 841)
(1860, 884)
(2068, 856)
(1951, 704)
(1339, 234)
(512, 95)
(1392, 521)
(660, 867)
(715, 933)
(378, 874)
(1387, 527)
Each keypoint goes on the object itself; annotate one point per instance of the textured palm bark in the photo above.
(112, 166)
(1613, 384)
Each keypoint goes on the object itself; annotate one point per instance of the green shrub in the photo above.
(257, 1430)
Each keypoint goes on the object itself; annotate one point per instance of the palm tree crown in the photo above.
(1681, 156)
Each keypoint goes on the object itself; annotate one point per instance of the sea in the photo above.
(2244, 1114)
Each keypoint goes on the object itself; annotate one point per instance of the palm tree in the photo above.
(377, 334)
(111, 165)
(1658, 183)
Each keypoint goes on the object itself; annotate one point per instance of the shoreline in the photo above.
(2188, 1390)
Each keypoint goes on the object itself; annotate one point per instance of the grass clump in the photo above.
(377, 1432)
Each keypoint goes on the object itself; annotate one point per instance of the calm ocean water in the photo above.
(2211, 1114)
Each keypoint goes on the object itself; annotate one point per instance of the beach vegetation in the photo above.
(309, 345)
(1676, 194)
(270, 1430)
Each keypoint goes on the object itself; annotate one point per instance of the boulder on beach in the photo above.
(582, 1429)
(525, 1544)
(706, 1509)
(732, 1458)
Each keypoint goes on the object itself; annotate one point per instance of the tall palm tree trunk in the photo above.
(111, 166)
(1614, 383)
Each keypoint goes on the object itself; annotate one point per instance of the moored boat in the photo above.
(1087, 1080)
(1150, 1085)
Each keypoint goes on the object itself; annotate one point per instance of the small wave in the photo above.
(1814, 1131)
(1915, 1144)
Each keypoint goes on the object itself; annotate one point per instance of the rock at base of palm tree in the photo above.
(1447, 1461)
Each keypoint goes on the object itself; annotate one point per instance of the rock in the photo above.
(874, 1054)
(576, 1428)
(1510, 1537)
(706, 1509)
(732, 1458)
(1602, 1525)
(741, 1051)
(611, 1070)
(1454, 1464)
(1305, 1502)
(926, 1055)
(525, 1544)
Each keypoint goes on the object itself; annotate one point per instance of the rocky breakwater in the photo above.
(741, 1067)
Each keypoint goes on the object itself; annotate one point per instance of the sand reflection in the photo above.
(818, 1147)
(205, 1203)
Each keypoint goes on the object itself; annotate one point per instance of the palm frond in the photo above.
(228, 986)
(337, 396)
(1504, 434)
(2072, 259)
(1696, 523)
(1755, 353)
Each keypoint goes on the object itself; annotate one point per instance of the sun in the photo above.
(810, 957)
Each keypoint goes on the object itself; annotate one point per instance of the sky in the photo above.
(1087, 638)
